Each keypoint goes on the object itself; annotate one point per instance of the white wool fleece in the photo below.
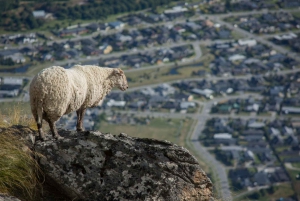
(58, 91)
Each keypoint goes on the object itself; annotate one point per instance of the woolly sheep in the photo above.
(56, 91)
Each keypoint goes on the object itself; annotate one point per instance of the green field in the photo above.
(160, 75)
(172, 130)
(280, 191)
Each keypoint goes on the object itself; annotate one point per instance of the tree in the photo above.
(228, 5)
(254, 196)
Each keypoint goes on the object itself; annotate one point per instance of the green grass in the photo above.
(159, 128)
(281, 148)
(295, 182)
(282, 190)
(152, 76)
(296, 14)
(236, 35)
(296, 165)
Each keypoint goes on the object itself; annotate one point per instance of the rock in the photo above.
(96, 166)
(8, 198)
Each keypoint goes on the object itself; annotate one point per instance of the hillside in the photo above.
(18, 15)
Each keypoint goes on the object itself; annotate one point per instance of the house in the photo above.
(274, 132)
(254, 138)
(12, 54)
(183, 97)
(165, 89)
(104, 27)
(88, 42)
(222, 136)
(224, 34)
(236, 57)
(93, 27)
(29, 51)
(148, 91)
(17, 58)
(116, 25)
(287, 131)
(247, 42)
(39, 14)
(106, 48)
(253, 132)
(72, 32)
(256, 125)
(73, 53)
(10, 87)
(290, 110)
(261, 179)
(47, 57)
(239, 173)
(170, 105)
(111, 62)
(136, 104)
(62, 55)
(90, 50)
(133, 21)
(208, 93)
(115, 103)
(192, 26)
(11, 81)
(185, 105)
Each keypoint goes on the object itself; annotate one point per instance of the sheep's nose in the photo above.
(127, 87)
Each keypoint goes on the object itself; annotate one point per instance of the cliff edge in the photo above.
(94, 166)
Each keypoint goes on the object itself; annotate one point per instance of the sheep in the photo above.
(56, 91)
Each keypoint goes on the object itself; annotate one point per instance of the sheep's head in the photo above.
(121, 81)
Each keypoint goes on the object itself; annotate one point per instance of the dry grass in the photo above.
(18, 169)
(16, 115)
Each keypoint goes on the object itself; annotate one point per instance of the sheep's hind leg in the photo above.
(80, 113)
(54, 130)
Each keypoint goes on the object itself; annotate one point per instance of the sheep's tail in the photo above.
(39, 110)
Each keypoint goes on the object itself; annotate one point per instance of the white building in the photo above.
(248, 42)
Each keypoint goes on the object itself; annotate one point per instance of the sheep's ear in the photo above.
(118, 71)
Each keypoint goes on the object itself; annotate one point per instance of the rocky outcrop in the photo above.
(8, 198)
(95, 166)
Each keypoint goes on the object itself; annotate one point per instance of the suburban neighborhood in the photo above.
(229, 70)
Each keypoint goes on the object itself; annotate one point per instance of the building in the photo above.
(247, 42)
(39, 14)
(116, 25)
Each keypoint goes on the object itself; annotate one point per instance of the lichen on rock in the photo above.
(95, 166)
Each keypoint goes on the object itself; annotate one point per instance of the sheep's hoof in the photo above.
(79, 129)
(41, 138)
(58, 137)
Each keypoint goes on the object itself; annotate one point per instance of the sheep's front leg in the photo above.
(41, 133)
(80, 113)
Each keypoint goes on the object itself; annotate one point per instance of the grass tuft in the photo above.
(18, 169)
(16, 116)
